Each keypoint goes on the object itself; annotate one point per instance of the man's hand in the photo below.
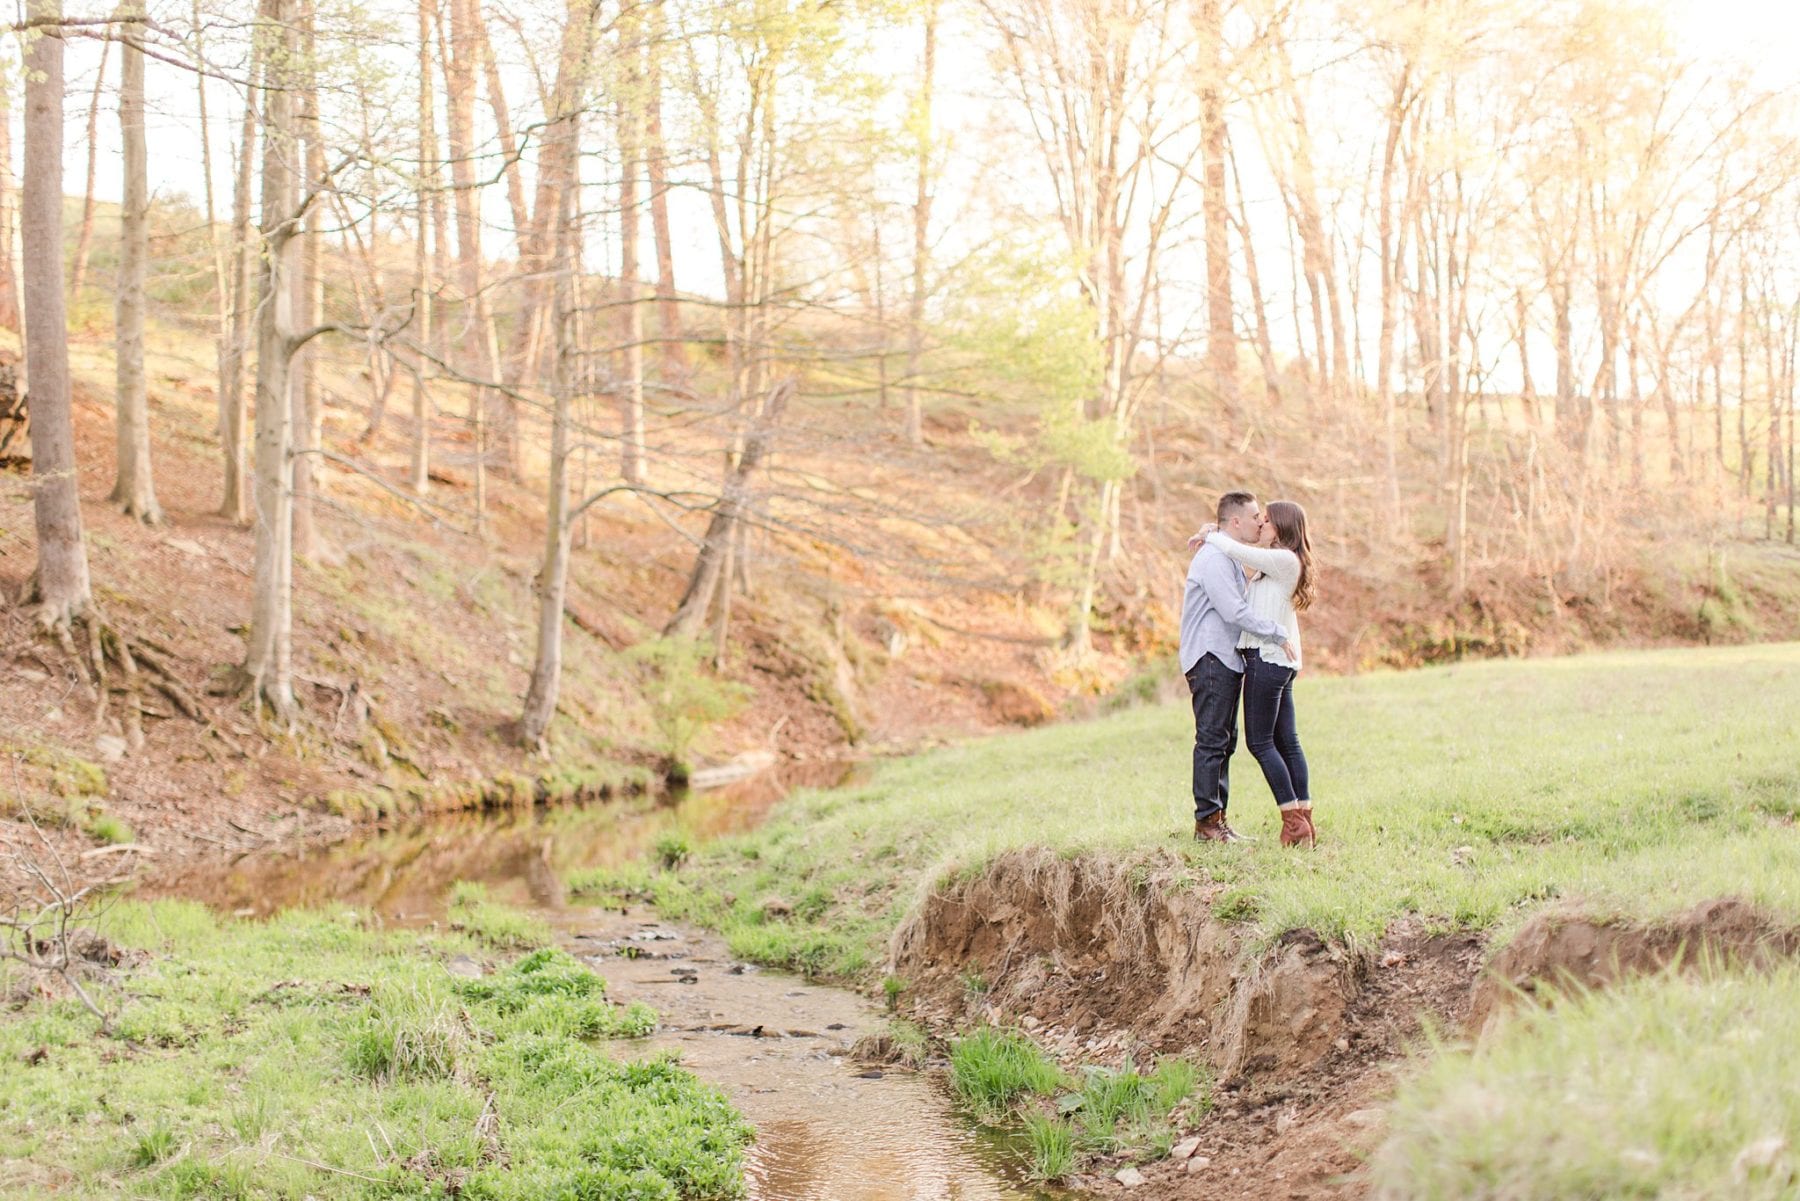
(1197, 540)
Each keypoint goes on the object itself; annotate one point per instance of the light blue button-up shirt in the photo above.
(1214, 611)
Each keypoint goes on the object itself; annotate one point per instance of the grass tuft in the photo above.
(110, 830)
(154, 1144)
(406, 1034)
(1052, 1143)
(993, 1070)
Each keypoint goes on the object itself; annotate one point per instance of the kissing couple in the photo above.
(1251, 576)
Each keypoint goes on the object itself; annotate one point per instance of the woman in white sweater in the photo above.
(1283, 556)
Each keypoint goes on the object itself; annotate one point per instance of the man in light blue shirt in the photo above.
(1215, 609)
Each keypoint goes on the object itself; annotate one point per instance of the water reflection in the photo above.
(403, 869)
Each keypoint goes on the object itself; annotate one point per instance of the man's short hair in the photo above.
(1231, 502)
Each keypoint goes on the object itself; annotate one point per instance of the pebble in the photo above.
(110, 747)
(1365, 1117)
(1129, 1177)
(1185, 1149)
(1343, 1044)
(1197, 1165)
(465, 967)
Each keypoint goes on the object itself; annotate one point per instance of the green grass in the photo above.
(1124, 1109)
(992, 1071)
(1002, 1077)
(499, 926)
(314, 1056)
(1660, 1087)
(1052, 1146)
(1468, 794)
(110, 829)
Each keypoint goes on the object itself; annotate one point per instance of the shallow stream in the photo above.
(828, 1128)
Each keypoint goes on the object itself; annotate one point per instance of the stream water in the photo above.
(828, 1128)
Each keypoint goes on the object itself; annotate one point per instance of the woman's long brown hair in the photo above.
(1289, 520)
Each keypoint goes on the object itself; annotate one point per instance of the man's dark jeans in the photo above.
(1215, 689)
(1269, 731)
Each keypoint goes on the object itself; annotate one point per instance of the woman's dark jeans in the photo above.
(1269, 727)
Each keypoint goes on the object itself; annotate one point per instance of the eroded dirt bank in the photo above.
(1101, 960)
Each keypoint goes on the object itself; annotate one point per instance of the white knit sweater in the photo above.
(1271, 595)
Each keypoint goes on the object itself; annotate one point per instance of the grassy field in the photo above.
(1629, 782)
(310, 1056)
(1662, 1087)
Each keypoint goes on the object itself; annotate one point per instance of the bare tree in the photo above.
(9, 211)
(135, 489)
(631, 138)
(60, 585)
(234, 343)
(924, 153)
(424, 281)
(268, 663)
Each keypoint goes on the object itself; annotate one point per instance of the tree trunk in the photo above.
(134, 489)
(217, 238)
(424, 284)
(922, 197)
(1772, 384)
(631, 441)
(503, 130)
(1265, 343)
(268, 665)
(1528, 400)
(552, 580)
(1221, 338)
(60, 584)
(1392, 253)
(459, 95)
(1569, 419)
(656, 162)
(1791, 413)
(84, 241)
(708, 575)
(9, 218)
(1745, 464)
(309, 284)
(234, 409)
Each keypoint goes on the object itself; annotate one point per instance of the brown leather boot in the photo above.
(1296, 830)
(1212, 828)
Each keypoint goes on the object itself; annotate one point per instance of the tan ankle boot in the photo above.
(1296, 829)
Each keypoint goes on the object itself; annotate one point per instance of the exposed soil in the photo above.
(1567, 949)
(1102, 961)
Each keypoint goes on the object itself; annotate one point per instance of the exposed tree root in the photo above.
(112, 664)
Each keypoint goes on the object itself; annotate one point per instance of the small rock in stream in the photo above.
(871, 1074)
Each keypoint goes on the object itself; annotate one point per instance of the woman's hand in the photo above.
(1197, 540)
(1287, 648)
